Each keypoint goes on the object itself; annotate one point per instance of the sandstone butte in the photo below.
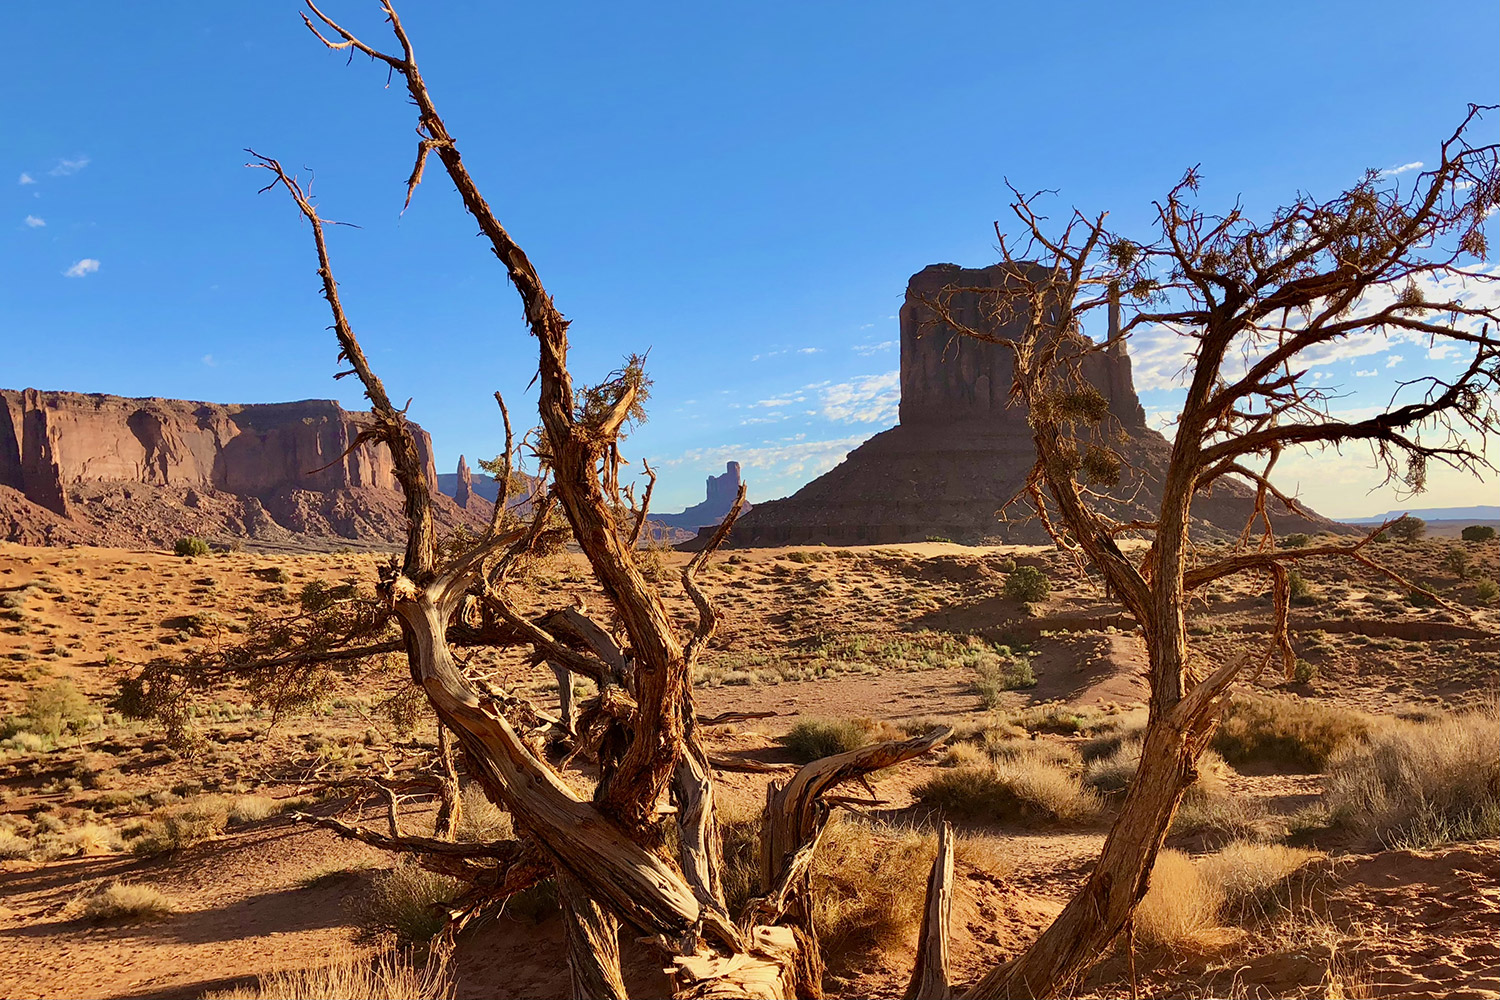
(961, 449)
(99, 469)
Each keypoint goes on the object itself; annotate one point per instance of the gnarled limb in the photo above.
(593, 944)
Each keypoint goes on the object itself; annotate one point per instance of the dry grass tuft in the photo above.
(480, 821)
(1026, 788)
(1187, 900)
(1291, 734)
(411, 901)
(390, 975)
(1422, 784)
(124, 902)
(868, 886)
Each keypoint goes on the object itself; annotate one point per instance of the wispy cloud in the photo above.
(809, 350)
(786, 400)
(208, 359)
(790, 458)
(1366, 373)
(65, 166)
(1393, 171)
(865, 350)
(1393, 360)
(26, 178)
(83, 267)
(34, 222)
(866, 399)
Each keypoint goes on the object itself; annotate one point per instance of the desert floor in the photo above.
(895, 639)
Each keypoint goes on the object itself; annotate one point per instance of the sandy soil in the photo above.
(872, 633)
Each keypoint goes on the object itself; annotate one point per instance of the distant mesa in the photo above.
(962, 448)
(110, 470)
(721, 492)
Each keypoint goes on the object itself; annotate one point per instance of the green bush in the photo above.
(188, 545)
(1027, 788)
(1304, 672)
(1027, 584)
(814, 739)
(1486, 590)
(57, 708)
(1296, 541)
(1477, 533)
(411, 901)
(1456, 561)
(1408, 529)
(1002, 673)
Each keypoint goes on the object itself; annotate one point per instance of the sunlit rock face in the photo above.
(963, 448)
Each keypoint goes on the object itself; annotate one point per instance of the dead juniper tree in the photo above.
(1254, 305)
(607, 855)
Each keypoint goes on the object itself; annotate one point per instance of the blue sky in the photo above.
(742, 189)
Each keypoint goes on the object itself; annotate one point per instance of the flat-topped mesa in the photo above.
(52, 440)
(949, 378)
(963, 447)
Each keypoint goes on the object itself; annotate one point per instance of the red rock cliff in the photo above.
(51, 441)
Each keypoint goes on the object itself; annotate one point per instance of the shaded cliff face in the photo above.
(50, 441)
(720, 493)
(118, 471)
(961, 449)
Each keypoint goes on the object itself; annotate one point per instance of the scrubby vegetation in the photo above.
(1291, 734)
(810, 739)
(1027, 584)
(1025, 788)
(190, 546)
(1422, 783)
(387, 975)
(123, 901)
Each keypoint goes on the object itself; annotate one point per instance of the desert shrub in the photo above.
(812, 739)
(480, 821)
(409, 900)
(1298, 589)
(57, 708)
(1024, 789)
(1486, 590)
(1420, 599)
(1247, 874)
(1408, 529)
(1456, 561)
(1297, 540)
(172, 828)
(868, 886)
(189, 545)
(90, 838)
(121, 902)
(389, 975)
(1477, 533)
(806, 557)
(1188, 898)
(1419, 784)
(938, 538)
(1291, 734)
(1002, 673)
(1179, 904)
(1049, 717)
(1304, 672)
(1027, 584)
(12, 845)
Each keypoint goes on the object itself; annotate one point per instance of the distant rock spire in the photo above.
(463, 493)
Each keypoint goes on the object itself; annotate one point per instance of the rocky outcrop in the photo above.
(962, 449)
(143, 471)
(463, 487)
(721, 491)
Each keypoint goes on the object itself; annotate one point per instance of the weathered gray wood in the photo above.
(930, 975)
(593, 944)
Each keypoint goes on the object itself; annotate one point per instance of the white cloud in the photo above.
(865, 350)
(866, 399)
(26, 178)
(65, 166)
(1440, 351)
(776, 401)
(83, 267)
(34, 222)
(1366, 372)
(1393, 360)
(793, 457)
(809, 350)
(1393, 171)
(1159, 355)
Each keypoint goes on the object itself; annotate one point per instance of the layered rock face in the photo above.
(721, 491)
(104, 463)
(962, 449)
(463, 485)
